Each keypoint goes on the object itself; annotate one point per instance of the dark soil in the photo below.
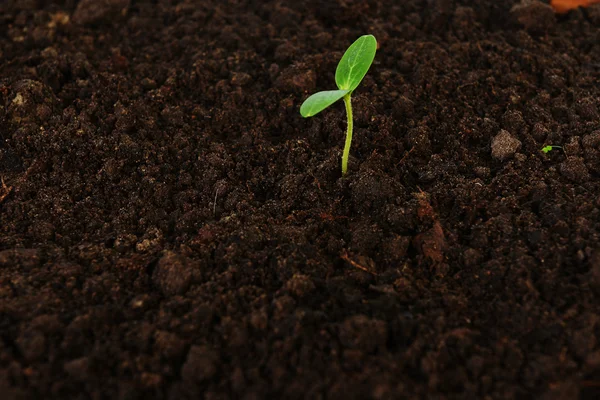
(171, 228)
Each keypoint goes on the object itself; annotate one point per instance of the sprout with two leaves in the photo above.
(350, 71)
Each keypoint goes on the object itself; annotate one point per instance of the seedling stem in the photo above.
(350, 126)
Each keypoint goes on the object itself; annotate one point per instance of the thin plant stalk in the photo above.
(346, 154)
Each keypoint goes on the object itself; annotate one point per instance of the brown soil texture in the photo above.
(171, 228)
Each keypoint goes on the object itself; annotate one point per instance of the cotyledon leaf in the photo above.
(355, 63)
(320, 101)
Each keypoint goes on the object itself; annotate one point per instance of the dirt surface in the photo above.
(171, 228)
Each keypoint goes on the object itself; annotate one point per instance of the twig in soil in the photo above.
(466, 85)
(330, 216)
(6, 189)
(316, 181)
(215, 202)
(218, 186)
(344, 256)
(404, 156)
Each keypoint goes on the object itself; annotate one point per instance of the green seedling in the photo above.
(350, 71)
(547, 149)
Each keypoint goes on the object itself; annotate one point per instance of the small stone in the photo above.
(504, 145)
(574, 168)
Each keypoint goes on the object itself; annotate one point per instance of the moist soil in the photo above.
(171, 228)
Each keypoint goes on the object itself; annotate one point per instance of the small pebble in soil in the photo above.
(504, 146)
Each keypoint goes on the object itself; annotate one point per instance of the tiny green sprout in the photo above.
(547, 149)
(350, 71)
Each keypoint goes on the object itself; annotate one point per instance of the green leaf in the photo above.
(355, 63)
(547, 149)
(320, 101)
